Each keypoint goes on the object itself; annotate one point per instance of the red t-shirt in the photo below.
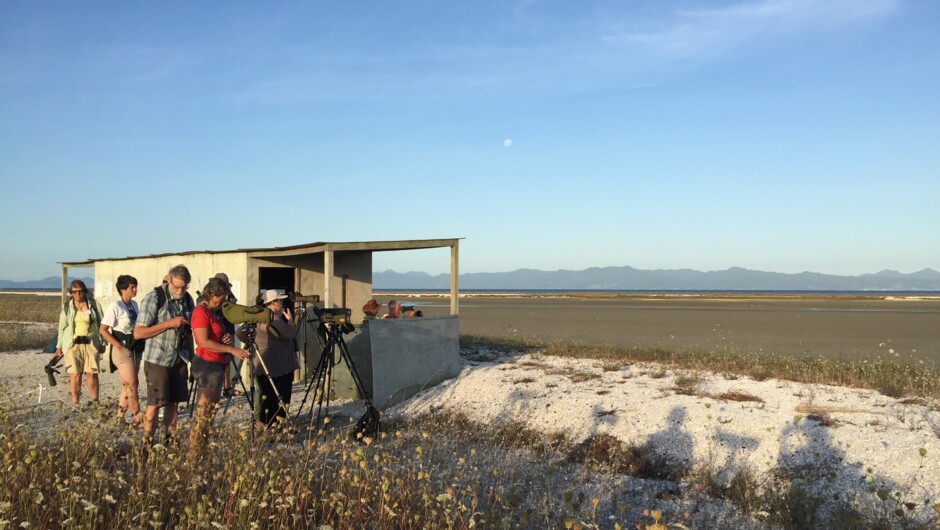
(204, 318)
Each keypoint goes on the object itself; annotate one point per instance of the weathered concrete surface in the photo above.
(396, 358)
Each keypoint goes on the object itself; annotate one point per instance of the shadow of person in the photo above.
(816, 487)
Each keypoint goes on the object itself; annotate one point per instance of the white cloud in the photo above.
(710, 31)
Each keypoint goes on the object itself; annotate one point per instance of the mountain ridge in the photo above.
(626, 278)
(629, 278)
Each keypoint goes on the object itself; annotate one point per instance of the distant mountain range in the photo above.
(52, 282)
(629, 278)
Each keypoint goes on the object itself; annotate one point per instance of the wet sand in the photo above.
(835, 327)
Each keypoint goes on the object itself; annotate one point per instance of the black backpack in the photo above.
(161, 301)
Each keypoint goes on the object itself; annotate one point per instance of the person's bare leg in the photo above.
(170, 413)
(150, 421)
(75, 388)
(206, 399)
(227, 380)
(129, 400)
(92, 380)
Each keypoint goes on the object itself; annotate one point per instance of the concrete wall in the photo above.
(150, 272)
(397, 358)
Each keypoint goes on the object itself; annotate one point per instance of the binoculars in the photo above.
(51, 371)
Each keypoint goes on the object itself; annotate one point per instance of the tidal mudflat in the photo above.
(845, 328)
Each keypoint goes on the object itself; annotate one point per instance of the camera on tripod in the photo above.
(250, 329)
(335, 316)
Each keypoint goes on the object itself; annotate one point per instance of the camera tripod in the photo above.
(251, 332)
(322, 380)
(302, 320)
(237, 379)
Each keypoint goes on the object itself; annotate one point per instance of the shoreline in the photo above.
(664, 295)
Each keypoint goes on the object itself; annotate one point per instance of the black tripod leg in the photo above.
(368, 424)
(352, 370)
(324, 384)
(241, 382)
(314, 383)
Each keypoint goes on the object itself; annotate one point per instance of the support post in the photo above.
(328, 267)
(65, 279)
(454, 270)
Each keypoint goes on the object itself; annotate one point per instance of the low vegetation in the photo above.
(885, 375)
(29, 308)
(21, 336)
(438, 471)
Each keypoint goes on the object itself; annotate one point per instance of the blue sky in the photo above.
(780, 135)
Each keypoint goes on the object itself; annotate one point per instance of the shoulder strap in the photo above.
(93, 307)
(161, 298)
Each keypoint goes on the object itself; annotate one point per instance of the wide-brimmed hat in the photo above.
(371, 308)
(224, 277)
(271, 295)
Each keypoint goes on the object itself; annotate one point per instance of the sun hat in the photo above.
(371, 308)
(224, 277)
(271, 295)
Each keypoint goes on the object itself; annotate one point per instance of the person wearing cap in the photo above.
(211, 357)
(275, 342)
(371, 309)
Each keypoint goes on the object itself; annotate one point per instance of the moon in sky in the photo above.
(507, 142)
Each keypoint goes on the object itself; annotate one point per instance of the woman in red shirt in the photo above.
(213, 347)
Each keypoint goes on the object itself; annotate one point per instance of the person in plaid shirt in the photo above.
(169, 345)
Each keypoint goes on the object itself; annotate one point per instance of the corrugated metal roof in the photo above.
(314, 248)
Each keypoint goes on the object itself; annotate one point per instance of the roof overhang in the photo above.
(298, 250)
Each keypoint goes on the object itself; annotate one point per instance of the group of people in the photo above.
(177, 340)
(372, 307)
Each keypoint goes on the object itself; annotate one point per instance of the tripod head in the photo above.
(335, 319)
(250, 331)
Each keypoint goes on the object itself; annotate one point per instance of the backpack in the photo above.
(161, 301)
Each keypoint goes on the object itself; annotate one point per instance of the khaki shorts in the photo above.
(120, 356)
(82, 358)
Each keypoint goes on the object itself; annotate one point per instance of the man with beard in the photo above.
(164, 322)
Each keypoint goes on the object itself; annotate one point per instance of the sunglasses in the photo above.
(77, 292)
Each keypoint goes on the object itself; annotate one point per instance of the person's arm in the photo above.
(58, 344)
(109, 338)
(285, 329)
(146, 332)
(203, 321)
(203, 341)
(148, 313)
(109, 320)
